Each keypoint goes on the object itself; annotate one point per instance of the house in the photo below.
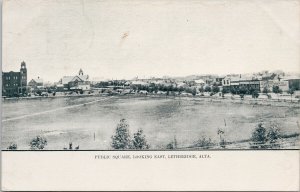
(218, 81)
(231, 81)
(139, 83)
(199, 83)
(77, 82)
(15, 83)
(36, 83)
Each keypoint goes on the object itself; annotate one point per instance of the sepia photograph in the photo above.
(160, 95)
(159, 75)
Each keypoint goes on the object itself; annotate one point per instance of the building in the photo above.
(218, 81)
(199, 83)
(15, 83)
(36, 83)
(77, 82)
(269, 84)
(238, 82)
(293, 82)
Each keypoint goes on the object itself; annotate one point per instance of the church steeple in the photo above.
(80, 72)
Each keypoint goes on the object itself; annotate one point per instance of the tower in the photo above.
(23, 74)
(80, 72)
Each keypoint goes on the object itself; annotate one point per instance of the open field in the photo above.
(91, 121)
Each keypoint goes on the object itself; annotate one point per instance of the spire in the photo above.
(80, 72)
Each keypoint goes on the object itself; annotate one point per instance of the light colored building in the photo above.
(77, 82)
(199, 83)
(36, 83)
(282, 84)
(239, 81)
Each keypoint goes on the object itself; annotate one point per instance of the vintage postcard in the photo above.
(150, 95)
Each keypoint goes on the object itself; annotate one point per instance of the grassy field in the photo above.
(91, 121)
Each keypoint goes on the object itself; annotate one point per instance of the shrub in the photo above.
(12, 146)
(38, 143)
(139, 140)
(222, 140)
(172, 144)
(204, 142)
(121, 139)
(264, 138)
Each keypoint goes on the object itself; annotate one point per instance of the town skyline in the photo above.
(105, 78)
(124, 40)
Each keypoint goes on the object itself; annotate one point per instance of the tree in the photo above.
(139, 140)
(242, 92)
(259, 137)
(201, 89)
(194, 91)
(276, 89)
(38, 143)
(233, 90)
(273, 134)
(255, 94)
(215, 89)
(265, 90)
(207, 89)
(121, 139)
(39, 92)
(291, 91)
(225, 90)
(259, 134)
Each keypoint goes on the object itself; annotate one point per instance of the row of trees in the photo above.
(122, 139)
(261, 137)
(235, 90)
(265, 138)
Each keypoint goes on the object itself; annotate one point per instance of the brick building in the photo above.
(15, 83)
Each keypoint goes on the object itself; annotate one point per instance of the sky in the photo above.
(124, 39)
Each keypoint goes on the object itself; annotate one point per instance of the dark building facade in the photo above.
(15, 83)
(294, 83)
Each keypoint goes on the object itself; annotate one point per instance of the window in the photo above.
(227, 81)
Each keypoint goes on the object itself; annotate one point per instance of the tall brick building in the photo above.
(15, 83)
